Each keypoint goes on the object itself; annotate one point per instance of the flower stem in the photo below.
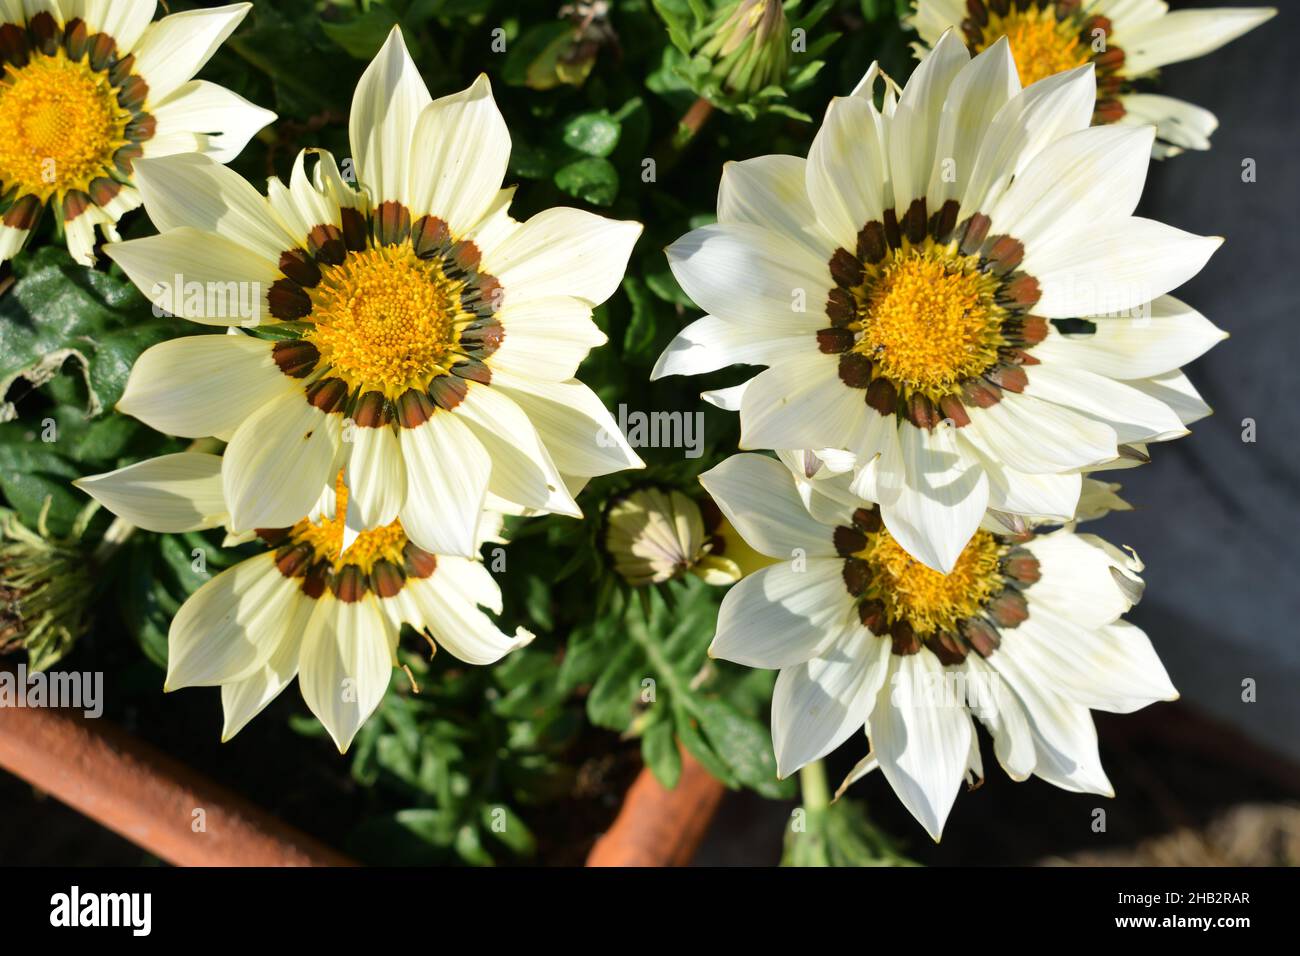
(813, 787)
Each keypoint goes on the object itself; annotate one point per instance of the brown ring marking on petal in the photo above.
(102, 50)
(857, 575)
(76, 38)
(848, 541)
(978, 12)
(349, 584)
(354, 229)
(915, 221)
(846, 270)
(465, 256)
(921, 412)
(103, 190)
(980, 393)
(1022, 292)
(473, 370)
(386, 578)
(1012, 378)
(872, 242)
(486, 296)
(126, 156)
(1005, 253)
(840, 307)
(872, 615)
(327, 245)
(315, 580)
(46, 32)
(273, 537)
(981, 635)
(953, 410)
(947, 648)
(448, 391)
(292, 559)
(134, 91)
(944, 222)
(299, 266)
(75, 202)
(287, 300)
(392, 223)
(121, 69)
(834, 341)
(141, 128)
(1009, 608)
(855, 370)
(904, 639)
(414, 408)
(328, 394)
(417, 562)
(482, 338)
(867, 520)
(892, 233)
(883, 396)
(373, 410)
(24, 213)
(1109, 110)
(977, 228)
(1018, 357)
(1112, 59)
(14, 44)
(295, 357)
(430, 237)
(1030, 330)
(1020, 565)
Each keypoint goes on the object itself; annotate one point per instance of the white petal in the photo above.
(1030, 120)
(1039, 496)
(277, 461)
(943, 498)
(170, 494)
(346, 663)
(780, 616)
(1172, 335)
(200, 385)
(123, 20)
(816, 705)
(228, 628)
(175, 48)
(546, 338)
(1176, 390)
(1076, 580)
(1092, 175)
(522, 469)
(198, 276)
(766, 283)
(802, 403)
(768, 191)
(710, 343)
(758, 495)
(921, 739)
(376, 476)
(459, 157)
(1184, 125)
(386, 106)
(846, 171)
(915, 128)
(1134, 416)
(447, 472)
(1186, 34)
(1038, 437)
(580, 434)
(1001, 712)
(244, 699)
(225, 119)
(1113, 267)
(457, 624)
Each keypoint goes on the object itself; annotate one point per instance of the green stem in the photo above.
(812, 784)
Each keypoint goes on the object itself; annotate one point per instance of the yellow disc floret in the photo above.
(325, 536)
(386, 319)
(60, 124)
(929, 320)
(932, 602)
(1041, 44)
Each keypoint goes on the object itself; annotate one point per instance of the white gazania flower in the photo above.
(1024, 634)
(968, 254)
(414, 333)
(305, 608)
(1126, 40)
(89, 87)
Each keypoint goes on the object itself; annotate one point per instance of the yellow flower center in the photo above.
(932, 602)
(929, 319)
(386, 319)
(1041, 44)
(326, 538)
(60, 124)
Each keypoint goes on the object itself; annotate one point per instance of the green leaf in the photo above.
(659, 752)
(363, 35)
(746, 746)
(592, 180)
(595, 133)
